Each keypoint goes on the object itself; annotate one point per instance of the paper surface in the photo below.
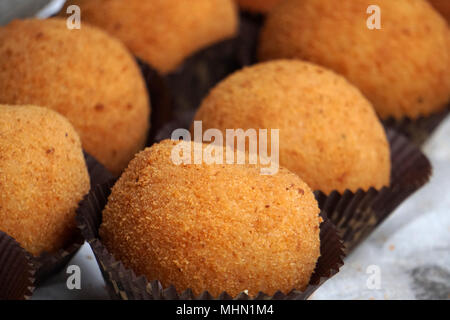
(411, 249)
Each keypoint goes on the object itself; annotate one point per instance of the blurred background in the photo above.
(14, 9)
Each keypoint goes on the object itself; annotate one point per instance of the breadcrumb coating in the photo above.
(329, 133)
(85, 75)
(162, 32)
(212, 227)
(443, 6)
(403, 68)
(261, 6)
(43, 177)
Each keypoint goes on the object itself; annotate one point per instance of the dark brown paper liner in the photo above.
(122, 283)
(251, 25)
(181, 120)
(16, 270)
(50, 263)
(202, 71)
(356, 215)
(160, 99)
(418, 130)
(191, 82)
(184, 89)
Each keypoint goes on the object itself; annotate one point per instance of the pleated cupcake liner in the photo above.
(199, 73)
(357, 214)
(16, 270)
(123, 284)
(183, 89)
(160, 100)
(418, 130)
(251, 25)
(48, 264)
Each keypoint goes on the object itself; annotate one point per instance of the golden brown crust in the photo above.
(85, 75)
(162, 32)
(43, 177)
(262, 6)
(403, 69)
(443, 6)
(212, 227)
(329, 133)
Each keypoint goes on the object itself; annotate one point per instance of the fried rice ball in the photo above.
(260, 6)
(212, 227)
(43, 177)
(329, 133)
(85, 75)
(162, 32)
(443, 6)
(403, 69)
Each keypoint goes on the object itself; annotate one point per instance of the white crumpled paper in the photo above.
(411, 249)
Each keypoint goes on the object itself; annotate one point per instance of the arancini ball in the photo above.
(162, 32)
(402, 68)
(260, 6)
(443, 6)
(212, 227)
(85, 75)
(329, 133)
(43, 177)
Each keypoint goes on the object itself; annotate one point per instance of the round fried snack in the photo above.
(329, 133)
(443, 6)
(212, 227)
(43, 177)
(402, 68)
(162, 32)
(85, 75)
(261, 6)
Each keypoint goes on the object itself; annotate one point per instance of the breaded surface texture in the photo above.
(85, 75)
(402, 68)
(43, 177)
(162, 32)
(329, 133)
(212, 227)
(443, 6)
(261, 6)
